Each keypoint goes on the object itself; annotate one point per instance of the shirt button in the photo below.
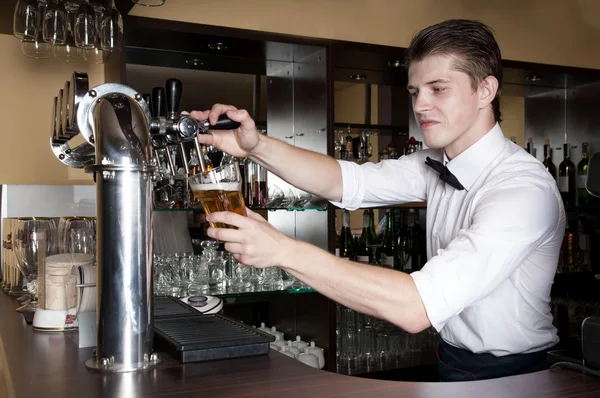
(435, 234)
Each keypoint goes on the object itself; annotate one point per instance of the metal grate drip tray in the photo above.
(197, 338)
(166, 306)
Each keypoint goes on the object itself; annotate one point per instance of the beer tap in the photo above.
(174, 89)
(176, 128)
(155, 145)
(157, 110)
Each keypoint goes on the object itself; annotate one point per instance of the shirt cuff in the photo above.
(430, 298)
(353, 189)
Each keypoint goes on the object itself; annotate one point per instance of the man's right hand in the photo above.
(240, 142)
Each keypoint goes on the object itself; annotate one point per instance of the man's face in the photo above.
(444, 103)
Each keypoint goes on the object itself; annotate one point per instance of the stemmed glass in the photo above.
(25, 20)
(68, 51)
(36, 239)
(111, 29)
(85, 26)
(54, 26)
(95, 54)
(35, 47)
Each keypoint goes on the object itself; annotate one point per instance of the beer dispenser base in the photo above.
(106, 365)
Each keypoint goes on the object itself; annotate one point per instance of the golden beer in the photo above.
(220, 197)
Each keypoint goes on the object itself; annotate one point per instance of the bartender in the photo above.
(495, 220)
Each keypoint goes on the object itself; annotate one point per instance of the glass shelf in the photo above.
(307, 208)
(229, 291)
(411, 205)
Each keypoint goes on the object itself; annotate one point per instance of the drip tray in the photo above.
(168, 306)
(198, 338)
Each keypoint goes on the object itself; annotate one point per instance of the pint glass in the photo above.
(219, 189)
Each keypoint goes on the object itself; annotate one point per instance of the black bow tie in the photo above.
(445, 174)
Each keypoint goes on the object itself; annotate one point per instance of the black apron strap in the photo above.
(456, 364)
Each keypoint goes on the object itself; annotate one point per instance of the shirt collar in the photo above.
(469, 164)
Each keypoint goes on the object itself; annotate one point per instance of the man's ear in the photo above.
(488, 88)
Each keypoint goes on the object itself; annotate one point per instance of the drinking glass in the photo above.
(95, 54)
(85, 26)
(36, 239)
(66, 225)
(54, 26)
(36, 47)
(111, 29)
(68, 51)
(219, 189)
(25, 19)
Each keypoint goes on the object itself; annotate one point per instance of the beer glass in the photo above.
(219, 189)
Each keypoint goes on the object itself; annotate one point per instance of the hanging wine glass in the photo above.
(36, 239)
(85, 26)
(54, 26)
(111, 29)
(25, 19)
(97, 55)
(36, 48)
(68, 51)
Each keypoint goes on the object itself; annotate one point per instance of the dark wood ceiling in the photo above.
(7, 7)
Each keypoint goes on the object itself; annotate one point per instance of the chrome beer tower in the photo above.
(119, 134)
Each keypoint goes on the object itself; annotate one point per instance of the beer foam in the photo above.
(224, 186)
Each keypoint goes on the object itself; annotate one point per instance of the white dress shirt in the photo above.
(492, 248)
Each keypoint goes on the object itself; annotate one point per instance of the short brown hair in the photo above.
(471, 42)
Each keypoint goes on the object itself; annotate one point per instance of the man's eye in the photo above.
(439, 89)
(413, 94)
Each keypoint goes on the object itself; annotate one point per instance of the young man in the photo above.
(495, 220)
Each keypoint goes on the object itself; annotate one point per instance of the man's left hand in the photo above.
(255, 242)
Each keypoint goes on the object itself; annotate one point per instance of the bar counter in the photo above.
(35, 364)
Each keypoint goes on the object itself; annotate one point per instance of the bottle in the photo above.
(407, 246)
(363, 253)
(417, 243)
(346, 243)
(548, 163)
(349, 147)
(373, 242)
(583, 254)
(530, 147)
(421, 241)
(260, 186)
(250, 182)
(582, 170)
(207, 161)
(566, 178)
(389, 257)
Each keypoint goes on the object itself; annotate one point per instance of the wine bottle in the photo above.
(373, 242)
(582, 170)
(548, 163)
(389, 257)
(346, 243)
(363, 253)
(566, 178)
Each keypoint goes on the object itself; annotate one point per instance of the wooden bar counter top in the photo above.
(35, 364)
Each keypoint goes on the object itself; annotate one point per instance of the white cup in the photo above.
(301, 345)
(309, 359)
(318, 352)
(292, 349)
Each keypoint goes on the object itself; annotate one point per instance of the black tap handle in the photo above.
(148, 98)
(158, 102)
(224, 123)
(173, 89)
